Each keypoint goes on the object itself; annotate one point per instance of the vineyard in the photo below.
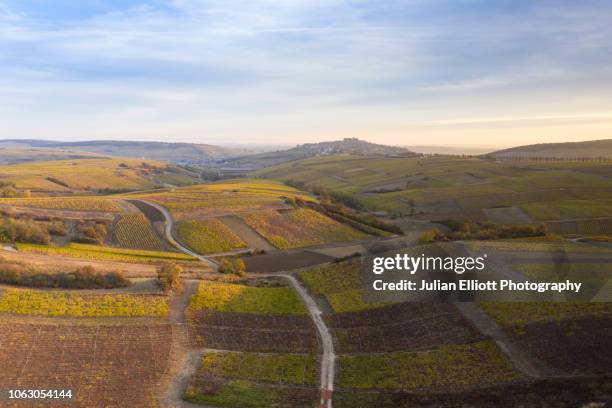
(294, 369)
(515, 314)
(52, 303)
(95, 252)
(301, 227)
(450, 367)
(340, 283)
(65, 203)
(103, 365)
(134, 231)
(226, 197)
(228, 297)
(208, 236)
(399, 327)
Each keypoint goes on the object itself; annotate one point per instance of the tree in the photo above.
(169, 277)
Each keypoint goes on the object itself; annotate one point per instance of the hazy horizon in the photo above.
(409, 73)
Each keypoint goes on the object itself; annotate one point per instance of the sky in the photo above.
(403, 72)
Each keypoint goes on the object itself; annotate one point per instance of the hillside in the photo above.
(96, 174)
(589, 149)
(179, 153)
(352, 146)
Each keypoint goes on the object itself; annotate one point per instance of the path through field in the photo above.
(183, 361)
(170, 236)
(246, 233)
(328, 358)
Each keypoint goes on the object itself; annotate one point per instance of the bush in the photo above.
(433, 235)
(232, 266)
(169, 277)
(85, 277)
(23, 230)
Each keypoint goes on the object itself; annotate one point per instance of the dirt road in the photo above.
(169, 232)
(328, 358)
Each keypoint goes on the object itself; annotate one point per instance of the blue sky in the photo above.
(482, 73)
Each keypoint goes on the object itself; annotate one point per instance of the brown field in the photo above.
(104, 365)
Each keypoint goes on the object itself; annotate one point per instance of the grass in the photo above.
(535, 246)
(208, 236)
(301, 227)
(242, 394)
(519, 314)
(568, 209)
(448, 367)
(64, 203)
(95, 252)
(229, 297)
(279, 368)
(580, 272)
(340, 283)
(51, 303)
(134, 231)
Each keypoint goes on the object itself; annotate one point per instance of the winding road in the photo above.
(328, 358)
(169, 229)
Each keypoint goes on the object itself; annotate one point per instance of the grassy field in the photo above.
(452, 185)
(301, 227)
(568, 209)
(228, 196)
(51, 303)
(228, 297)
(340, 283)
(82, 174)
(581, 272)
(535, 246)
(208, 236)
(518, 314)
(279, 368)
(448, 367)
(95, 252)
(65, 203)
(134, 231)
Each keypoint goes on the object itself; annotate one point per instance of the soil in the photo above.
(251, 237)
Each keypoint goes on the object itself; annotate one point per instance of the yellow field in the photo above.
(65, 203)
(136, 232)
(208, 236)
(50, 303)
(301, 227)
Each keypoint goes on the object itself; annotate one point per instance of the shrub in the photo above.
(433, 235)
(23, 230)
(169, 277)
(232, 266)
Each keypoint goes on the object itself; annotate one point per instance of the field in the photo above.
(272, 338)
(104, 365)
(95, 252)
(301, 227)
(399, 327)
(279, 368)
(208, 236)
(570, 338)
(221, 198)
(340, 283)
(82, 174)
(449, 367)
(65, 203)
(453, 187)
(228, 297)
(523, 245)
(52, 303)
(134, 231)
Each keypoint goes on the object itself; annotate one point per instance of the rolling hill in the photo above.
(351, 146)
(573, 150)
(178, 153)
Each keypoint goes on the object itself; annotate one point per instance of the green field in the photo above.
(243, 394)
(448, 367)
(279, 368)
(134, 231)
(51, 303)
(568, 209)
(65, 203)
(95, 252)
(454, 185)
(208, 236)
(229, 297)
(340, 283)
